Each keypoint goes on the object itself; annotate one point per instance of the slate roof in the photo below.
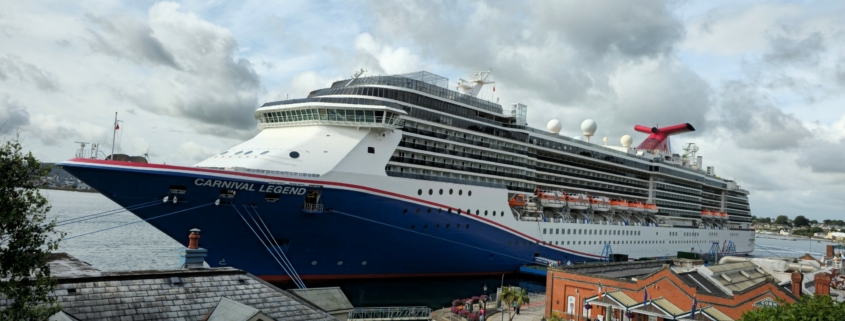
(715, 314)
(175, 295)
(703, 283)
(328, 299)
(738, 276)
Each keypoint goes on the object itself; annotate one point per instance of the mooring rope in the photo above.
(301, 286)
(144, 220)
(108, 213)
(273, 238)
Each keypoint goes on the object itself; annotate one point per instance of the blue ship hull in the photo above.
(360, 235)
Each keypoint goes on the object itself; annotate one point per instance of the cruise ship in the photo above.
(401, 176)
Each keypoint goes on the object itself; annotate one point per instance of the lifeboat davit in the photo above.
(650, 208)
(621, 205)
(577, 201)
(600, 204)
(549, 200)
(706, 214)
(517, 200)
(636, 206)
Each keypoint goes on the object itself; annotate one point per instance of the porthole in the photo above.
(247, 153)
(313, 262)
(460, 192)
(364, 263)
(450, 191)
(418, 210)
(294, 155)
(441, 191)
(469, 193)
(477, 212)
(224, 153)
(429, 209)
(265, 152)
(425, 226)
(339, 262)
(466, 226)
(405, 211)
(419, 192)
(430, 191)
(485, 213)
(436, 225)
(439, 210)
(413, 226)
(503, 213)
(238, 153)
(457, 225)
(447, 225)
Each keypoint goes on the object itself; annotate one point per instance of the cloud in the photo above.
(754, 123)
(384, 59)
(790, 50)
(192, 152)
(193, 72)
(12, 66)
(12, 115)
(823, 157)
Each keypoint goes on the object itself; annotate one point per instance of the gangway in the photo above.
(714, 252)
(729, 249)
(392, 313)
(606, 254)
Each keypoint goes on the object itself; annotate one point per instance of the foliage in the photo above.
(782, 220)
(472, 317)
(25, 238)
(800, 220)
(457, 302)
(555, 317)
(819, 307)
(456, 309)
(511, 295)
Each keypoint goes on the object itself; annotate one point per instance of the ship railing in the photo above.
(392, 313)
(309, 207)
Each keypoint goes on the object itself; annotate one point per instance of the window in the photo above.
(450, 191)
(441, 191)
(430, 191)
(460, 192)
(292, 154)
(371, 150)
(419, 192)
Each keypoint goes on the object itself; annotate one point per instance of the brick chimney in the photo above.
(797, 280)
(829, 252)
(193, 256)
(822, 281)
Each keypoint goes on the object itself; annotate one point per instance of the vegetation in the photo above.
(819, 307)
(511, 295)
(25, 238)
(800, 221)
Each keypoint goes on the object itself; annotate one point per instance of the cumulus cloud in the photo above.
(824, 157)
(193, 70)
(192, 152)
(385, 59)
(785, 49)
(12, 66)
(754, 123)
(12, 115)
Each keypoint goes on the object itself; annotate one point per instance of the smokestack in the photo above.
(699, 163)
(822, 281)
(193, 257)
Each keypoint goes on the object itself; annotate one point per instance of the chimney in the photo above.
(822, 283)
(797, 280)
(193, 257)
(699, 162)
(829, 252)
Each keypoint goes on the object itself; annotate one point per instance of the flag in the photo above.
(494, 88)
(645, 298)
(694, 303)
(600, 290)
(116, 126)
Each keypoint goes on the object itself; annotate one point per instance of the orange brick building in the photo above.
(722, 292)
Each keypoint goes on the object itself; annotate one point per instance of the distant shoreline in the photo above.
(69, 189)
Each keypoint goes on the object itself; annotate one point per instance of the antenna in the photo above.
(147, 154)
(356, 75)
(81, 152)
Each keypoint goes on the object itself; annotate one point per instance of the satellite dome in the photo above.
(554, 126)
(626, 141)
(589, 127)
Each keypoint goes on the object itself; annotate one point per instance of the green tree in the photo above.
(25, 237)
(800, 220)
(782, 220)
(814, 222)
(511, 295)
(819, 307)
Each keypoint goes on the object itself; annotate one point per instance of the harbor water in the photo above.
(141, 247)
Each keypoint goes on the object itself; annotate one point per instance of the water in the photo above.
(142, 247)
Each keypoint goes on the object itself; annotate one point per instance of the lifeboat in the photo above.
(549, 200)
(561, 197)
(724, 215)
(650, 208)
(577, 201)
(517, 200)
(636, 206)
(621, 205)
(600, 204)
(706, 214)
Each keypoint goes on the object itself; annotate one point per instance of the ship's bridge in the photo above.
(323, 113)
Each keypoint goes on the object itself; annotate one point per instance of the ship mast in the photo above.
(113, 134)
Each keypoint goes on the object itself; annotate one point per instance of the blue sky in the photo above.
(761, 81)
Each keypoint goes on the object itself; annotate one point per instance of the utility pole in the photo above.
(502, 302)
(114, 132)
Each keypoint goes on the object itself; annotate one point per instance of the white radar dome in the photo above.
(589, 127)
(554, 126)
(626, 141)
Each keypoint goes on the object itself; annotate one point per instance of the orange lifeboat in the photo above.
(549, 200)
(517, 200)
(636, 206)
(600, 203)
(706, 214)
(724, 216)
(619, 205)
(650, 208)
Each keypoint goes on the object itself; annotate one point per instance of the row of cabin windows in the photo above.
(449, 211)
(589, 232)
